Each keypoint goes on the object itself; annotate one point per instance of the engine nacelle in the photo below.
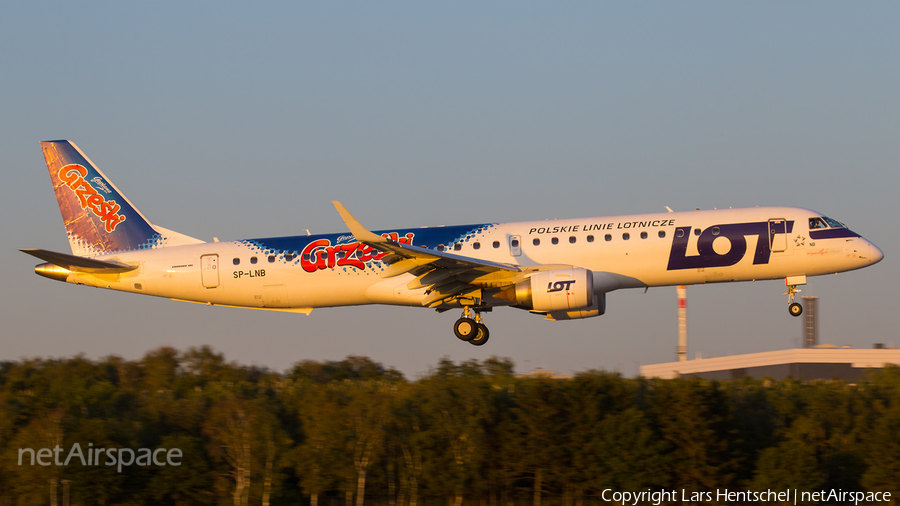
(557, 290)
(596, 309)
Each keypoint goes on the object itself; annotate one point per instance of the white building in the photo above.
(822, 362)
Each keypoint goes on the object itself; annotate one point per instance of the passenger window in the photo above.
(514, 243)
(271, 259)
(536, 242)
(572, 240)
(679, 232)
(457, 247)
(476, 245)
(643, 235)
(555, 240)
(496, 244)
(440, 247)
(252, 260)
(626, 236)
(237, 261)
(662, 234)
(715, 231)
(289, 258)
(696, 231)
(608, 237)
(590, 238)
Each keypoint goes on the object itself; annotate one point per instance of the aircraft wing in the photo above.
(76, 263)
(446, 275)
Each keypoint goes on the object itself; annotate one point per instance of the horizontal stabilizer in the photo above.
(76, 263)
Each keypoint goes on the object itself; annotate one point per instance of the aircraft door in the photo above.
(777, 234)
(209, 270)
(515, 245)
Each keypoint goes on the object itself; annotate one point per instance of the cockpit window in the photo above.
(815, 223)
(833, 223)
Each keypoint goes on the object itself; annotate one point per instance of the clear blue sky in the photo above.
(235, 120)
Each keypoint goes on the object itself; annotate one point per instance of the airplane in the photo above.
(561, 269)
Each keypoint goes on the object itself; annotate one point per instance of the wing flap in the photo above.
(404, 266)
(439, 293)
(434, 276)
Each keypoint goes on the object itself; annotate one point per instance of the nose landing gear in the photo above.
(791, 282)
(793, 307)
(471, 330)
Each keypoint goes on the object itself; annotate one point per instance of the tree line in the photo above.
(354, 432)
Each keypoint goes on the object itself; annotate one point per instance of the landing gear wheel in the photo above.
(481, 336)
(794, 308)
(465, 329)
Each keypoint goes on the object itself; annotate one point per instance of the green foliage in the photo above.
(882, 470)
(694, 418)
(629, 454)
(339, 431)
(789, 465)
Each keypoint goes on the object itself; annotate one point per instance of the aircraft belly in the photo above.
(274, 296)
(273, 288)
(328, 289)
(394, 291)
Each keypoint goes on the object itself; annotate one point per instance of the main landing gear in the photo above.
(471, 330)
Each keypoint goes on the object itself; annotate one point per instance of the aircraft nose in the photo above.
(875, 254)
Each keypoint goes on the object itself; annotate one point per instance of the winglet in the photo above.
(358, 231)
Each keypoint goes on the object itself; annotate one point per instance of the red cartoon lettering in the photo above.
(365, 253)
(306, 259)
(84, 190)
(320, 254)
(95, 202)
(347, 259)
(110, 215)
(332, 255)
(65, 174)
(73, 176)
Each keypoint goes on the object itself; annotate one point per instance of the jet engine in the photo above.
(598, 308)
(555, 290)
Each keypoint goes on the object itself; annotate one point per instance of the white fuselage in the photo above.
(622, 251)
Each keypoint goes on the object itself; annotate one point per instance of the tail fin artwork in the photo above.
(98, 217)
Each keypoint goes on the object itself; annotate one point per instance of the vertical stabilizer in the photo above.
(98, 217)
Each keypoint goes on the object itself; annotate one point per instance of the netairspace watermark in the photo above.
(114, 456)
(790, 496)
